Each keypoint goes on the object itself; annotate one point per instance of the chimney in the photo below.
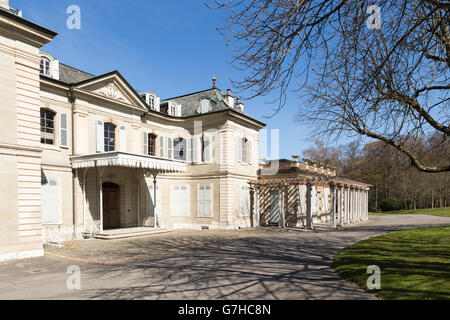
(214, 82)
(239, 104)
(229, 99)
(4, 4)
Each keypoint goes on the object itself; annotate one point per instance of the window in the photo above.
(152, 145)
(110, 137)
(244, 200)
(45, 66)
(173, 110)
(180, 200)
(47, 126)
(151, 102)
(204, 200)
(179, 149)
(244, 150)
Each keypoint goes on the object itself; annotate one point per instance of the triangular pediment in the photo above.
(112, 87)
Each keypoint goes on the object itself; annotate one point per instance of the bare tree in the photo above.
(387, 81)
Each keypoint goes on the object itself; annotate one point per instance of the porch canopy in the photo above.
(129, 160)
(141, 163)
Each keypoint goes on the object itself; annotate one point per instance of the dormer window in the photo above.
(151, 102)
(173, 110)
(45, 66)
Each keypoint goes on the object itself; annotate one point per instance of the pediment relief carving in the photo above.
(111, 91)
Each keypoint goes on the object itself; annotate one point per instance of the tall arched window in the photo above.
(110, 137)
(151, 144)
(47, 126)
(151, 102)
(45, 66)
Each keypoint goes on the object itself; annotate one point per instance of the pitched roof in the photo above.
(191, 102)
(71, 75)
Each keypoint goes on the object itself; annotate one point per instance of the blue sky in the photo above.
(170, 47)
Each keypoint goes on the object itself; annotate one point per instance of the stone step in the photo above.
(129, 234)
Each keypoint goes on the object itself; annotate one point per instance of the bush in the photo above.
(391, 204)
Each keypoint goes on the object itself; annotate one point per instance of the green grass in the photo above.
(443, 212)
(415, 264)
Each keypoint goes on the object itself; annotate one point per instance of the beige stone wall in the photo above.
(20, 153)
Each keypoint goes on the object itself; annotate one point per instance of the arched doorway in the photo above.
(111, 205)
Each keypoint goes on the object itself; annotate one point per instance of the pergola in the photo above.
(141, 163)
(345, 203)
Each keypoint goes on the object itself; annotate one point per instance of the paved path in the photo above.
(245, 264)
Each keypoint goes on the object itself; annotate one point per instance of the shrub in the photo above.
(391, 204)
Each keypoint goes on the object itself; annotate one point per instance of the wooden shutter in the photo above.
(206, 149)
(239, 144)
(161, 147)
(50, 202)
(145, 143)
(123, 138)
(189, 150)
(194, 150)
(169, 148)
(100, 136)
(63, 130)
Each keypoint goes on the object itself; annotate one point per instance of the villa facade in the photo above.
(81, 154)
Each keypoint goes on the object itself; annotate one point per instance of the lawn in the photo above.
(415, 264)
(443, 212)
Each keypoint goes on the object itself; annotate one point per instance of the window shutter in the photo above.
(50, 202)
(178, 107)
(123, 138)
(206, 149)
(200, 200)
(63, 131)
(239, 143)
(100, 136)
(189, 150)
(145, 143)
(250, 153)
(244, 200)
(161, 147)
(207, 199)
(169, 148)
(194, 149)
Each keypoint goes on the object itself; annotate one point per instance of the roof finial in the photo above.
(214, 82)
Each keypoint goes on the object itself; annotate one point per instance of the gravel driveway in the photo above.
(243, 264)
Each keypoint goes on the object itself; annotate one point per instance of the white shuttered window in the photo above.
(50, 201)
(122, 138)
(204, 200)
(180, 201)
(245, 200)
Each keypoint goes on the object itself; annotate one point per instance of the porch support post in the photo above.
(340, 205)
(84, 198)
(138, 194)
(155, 216)
(309, 224)
(333, 206)
(281, 206)
(252, 206)
(100, 178)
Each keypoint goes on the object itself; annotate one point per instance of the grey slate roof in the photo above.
(191, 102)
(71, 75)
